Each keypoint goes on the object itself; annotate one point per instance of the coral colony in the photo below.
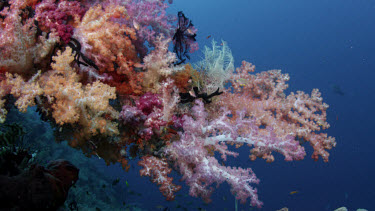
(102, 74)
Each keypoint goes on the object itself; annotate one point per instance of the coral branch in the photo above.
(298, 115)
(158, 170)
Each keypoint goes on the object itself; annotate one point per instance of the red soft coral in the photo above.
(52, 16)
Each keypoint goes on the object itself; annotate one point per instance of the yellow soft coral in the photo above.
(3, 111)
(24, 91)
(72, 102)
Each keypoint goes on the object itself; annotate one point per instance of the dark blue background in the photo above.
(320, 44)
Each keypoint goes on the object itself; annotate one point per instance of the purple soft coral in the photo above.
(151, 20)
(201, 170)
(145, 117)
(148, 102)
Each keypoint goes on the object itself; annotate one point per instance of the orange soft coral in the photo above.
(186, 79)
(104, 40)
(125, 79)
(72, 102)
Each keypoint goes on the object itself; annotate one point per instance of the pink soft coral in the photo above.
(297, 115)
(158, 170)
(151, 19)
(145, 117)
(17, 40)
(200, 169)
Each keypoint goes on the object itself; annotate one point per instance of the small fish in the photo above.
(127, 184)
(208, 37)
(160, 207)
(190, 31)
(242, 82)
(136, 25)
(337, 90)
(293, 192)
(191, 92)
(321, 123)
(116, 181)
(139, 65)
(224, 198)
(103, 186)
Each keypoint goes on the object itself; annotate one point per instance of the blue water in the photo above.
(328, 45)
(321, 44)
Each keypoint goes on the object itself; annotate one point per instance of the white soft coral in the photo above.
(218, 65)
(158, 63)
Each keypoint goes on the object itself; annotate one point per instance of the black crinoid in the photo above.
(191, 96)
(76, 48)
(183, 38)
